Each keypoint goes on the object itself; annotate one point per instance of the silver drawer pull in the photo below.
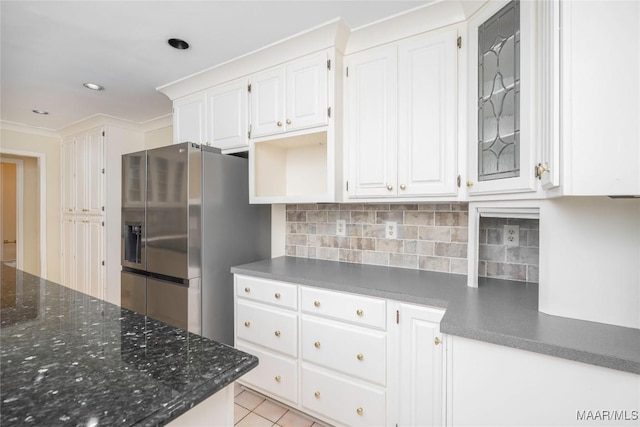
(359, 312)
(317, 344)
(316, 303)
(277, 333)
(247, 324)
(247, 289)
(360, 356)
(277, 295)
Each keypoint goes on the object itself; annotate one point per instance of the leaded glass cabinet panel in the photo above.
(499, 95)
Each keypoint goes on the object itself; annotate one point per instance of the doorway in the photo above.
(12, 212)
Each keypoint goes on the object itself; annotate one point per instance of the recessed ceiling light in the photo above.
(178, 44)
(44, 113)
(93, 86)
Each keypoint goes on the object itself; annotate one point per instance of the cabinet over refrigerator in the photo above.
(186, 220)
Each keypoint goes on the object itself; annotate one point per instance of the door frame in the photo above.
(42, 170)
(19, 211)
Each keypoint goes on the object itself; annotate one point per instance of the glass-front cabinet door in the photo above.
(501, 98)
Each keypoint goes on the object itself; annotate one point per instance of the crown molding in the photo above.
(22, 128)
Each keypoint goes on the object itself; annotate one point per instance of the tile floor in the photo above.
(253, 410)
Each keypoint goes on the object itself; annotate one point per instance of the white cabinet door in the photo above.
(81, 267)
(502, 151)
(267, 102)
(189, 119)
(427, 94)
(94, 172)
(600, 102)
(227, 115)
(307, 91)
(81, 171)
(290, 97)
(68, 252)
(421, 366)
(68, 175)
(372, 122)
(95, 267)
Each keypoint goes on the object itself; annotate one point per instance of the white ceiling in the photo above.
(49, 48)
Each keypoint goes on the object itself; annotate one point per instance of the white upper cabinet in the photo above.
(189, 123)
(68, 175)
(267, 102)
(401, 126)
(290, 97)
(227, 115)
(600, 107)
(371, 137)
(94, 197)
(307, 91)
(427, 113)
(502, 98)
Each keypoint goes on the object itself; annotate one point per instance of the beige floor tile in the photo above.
(317, 424)
(254, 420)
(270, 410)
(248, 400)
(293, 419)
(237, 389)
(239, 413)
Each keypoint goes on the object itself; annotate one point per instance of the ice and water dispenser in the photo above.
(133, 243)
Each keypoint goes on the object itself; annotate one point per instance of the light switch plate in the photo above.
(341, 227)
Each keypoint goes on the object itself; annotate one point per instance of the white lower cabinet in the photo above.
(344, 358)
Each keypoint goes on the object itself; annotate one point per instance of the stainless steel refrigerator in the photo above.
(186, 220)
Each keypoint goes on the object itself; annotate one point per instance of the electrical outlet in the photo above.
(511, 235)
(341, 227)
(391, 230)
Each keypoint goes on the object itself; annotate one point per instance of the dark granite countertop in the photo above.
(498, 311)
(70, 359)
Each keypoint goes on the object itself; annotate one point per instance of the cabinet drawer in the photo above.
(268, 327)
(349, 349)
(268, 291)
(358, 309)
(274, 374)
(348, 402)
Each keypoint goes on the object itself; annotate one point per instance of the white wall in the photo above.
(590, 259)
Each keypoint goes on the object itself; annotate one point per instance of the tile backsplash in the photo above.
(508, 262)
(430, 236)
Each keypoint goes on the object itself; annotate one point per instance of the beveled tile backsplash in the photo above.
(430, 236)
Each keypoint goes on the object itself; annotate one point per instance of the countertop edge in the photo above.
(192, 398)
(540, 347)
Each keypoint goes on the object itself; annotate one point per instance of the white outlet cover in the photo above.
(511, 235)
(391, 230)
(341, 227)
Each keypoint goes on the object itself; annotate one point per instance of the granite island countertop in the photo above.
(67, 358)
(498, 311)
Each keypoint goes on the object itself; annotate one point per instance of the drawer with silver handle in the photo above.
(268, 291)
(346, 401)
(269, 327)
(358, 309)
(352, 350)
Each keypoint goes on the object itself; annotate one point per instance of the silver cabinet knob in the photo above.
(279, 123)
(403, 187)
(288, 121)
(389, 187)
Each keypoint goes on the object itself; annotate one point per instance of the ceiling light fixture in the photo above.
(44, 113)
(93, 86)
(178, 44)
